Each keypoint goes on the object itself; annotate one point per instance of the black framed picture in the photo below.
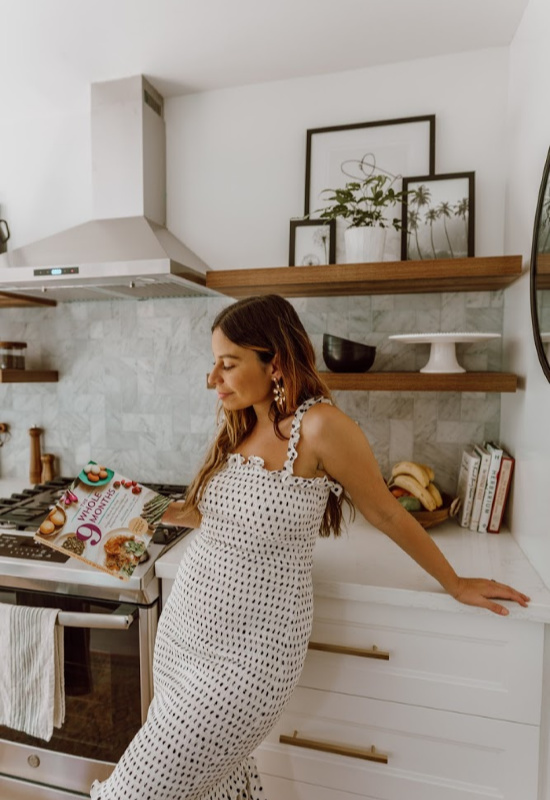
(312, 242)
(438, 217)
(339, 154)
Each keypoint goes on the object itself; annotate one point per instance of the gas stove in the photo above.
(25, 563)
(109, 629)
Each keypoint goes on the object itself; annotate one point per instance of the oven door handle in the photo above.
(120, 619)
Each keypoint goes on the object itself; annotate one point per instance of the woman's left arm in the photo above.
(345, 455)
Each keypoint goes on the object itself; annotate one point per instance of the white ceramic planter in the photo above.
(364, 244)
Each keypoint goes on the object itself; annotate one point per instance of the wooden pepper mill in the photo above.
(48, 467)
(35, 471)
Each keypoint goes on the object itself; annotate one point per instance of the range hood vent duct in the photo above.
(125, 251)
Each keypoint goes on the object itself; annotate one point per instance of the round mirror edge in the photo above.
(539, 344)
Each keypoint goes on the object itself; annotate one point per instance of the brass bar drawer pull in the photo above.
(352, 752)
(374, 652)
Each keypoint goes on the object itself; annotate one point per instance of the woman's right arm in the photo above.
(174, 515)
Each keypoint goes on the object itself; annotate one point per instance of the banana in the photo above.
(411, 485)
(435, 493)
(429, 471)
(410, 468)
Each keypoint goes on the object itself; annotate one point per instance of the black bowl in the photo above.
(343, 355)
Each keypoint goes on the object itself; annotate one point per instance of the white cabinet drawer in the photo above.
(284, 789)
(432, 755)
(474, 664)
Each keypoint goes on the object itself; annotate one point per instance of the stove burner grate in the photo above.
(25, 510)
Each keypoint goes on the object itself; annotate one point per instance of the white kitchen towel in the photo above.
(32, 684)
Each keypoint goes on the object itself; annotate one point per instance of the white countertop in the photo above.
(364, 564)
(10, 485)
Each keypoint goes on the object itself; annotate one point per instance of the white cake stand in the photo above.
(443, 350)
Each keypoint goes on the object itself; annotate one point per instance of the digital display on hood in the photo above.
(57, 271)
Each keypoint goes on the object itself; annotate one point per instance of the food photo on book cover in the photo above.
(103, 519)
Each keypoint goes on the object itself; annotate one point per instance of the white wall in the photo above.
(45, 168)
(525, 416)
(237, 157)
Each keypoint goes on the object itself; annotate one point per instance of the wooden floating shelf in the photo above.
(391, 277)
(28, 376)
(421, 382)
(12, 300)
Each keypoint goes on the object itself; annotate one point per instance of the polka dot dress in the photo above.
(232, 638)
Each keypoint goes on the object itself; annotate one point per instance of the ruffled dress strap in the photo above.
(292, 453)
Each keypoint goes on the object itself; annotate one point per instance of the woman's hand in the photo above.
(482, 592)
(176, 515)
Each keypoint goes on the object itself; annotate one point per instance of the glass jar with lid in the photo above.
(12, 355)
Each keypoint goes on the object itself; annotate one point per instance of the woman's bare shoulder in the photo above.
(323, 416)
(328, 429)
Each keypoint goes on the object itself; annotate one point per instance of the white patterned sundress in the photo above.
(232, 638)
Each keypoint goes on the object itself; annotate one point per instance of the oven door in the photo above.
(108, 688)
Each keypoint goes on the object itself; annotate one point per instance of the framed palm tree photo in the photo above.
(438, 217)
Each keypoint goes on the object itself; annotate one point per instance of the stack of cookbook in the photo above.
(484, 482)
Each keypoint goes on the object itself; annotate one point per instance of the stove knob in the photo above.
(33, 761)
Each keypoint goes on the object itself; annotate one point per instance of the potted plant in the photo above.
(362, 204)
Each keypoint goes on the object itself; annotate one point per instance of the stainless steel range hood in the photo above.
(126, 251)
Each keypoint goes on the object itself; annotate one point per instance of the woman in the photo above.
(233, 636)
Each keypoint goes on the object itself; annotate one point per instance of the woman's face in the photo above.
(239, 377)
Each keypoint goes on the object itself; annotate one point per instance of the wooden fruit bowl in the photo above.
(430, 518)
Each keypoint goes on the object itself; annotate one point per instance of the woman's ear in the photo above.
(276, 373)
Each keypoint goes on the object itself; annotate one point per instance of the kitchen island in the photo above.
(405, 692)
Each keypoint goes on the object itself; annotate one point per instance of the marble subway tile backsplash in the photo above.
(132, 388)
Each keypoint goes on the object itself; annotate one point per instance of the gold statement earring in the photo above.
(279, 394)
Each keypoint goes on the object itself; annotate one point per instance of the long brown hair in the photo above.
(270, 326)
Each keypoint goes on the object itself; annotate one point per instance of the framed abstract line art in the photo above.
(312, 242)
(339, 154)
(438, 217)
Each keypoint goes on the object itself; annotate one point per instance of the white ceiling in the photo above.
(51, 50)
